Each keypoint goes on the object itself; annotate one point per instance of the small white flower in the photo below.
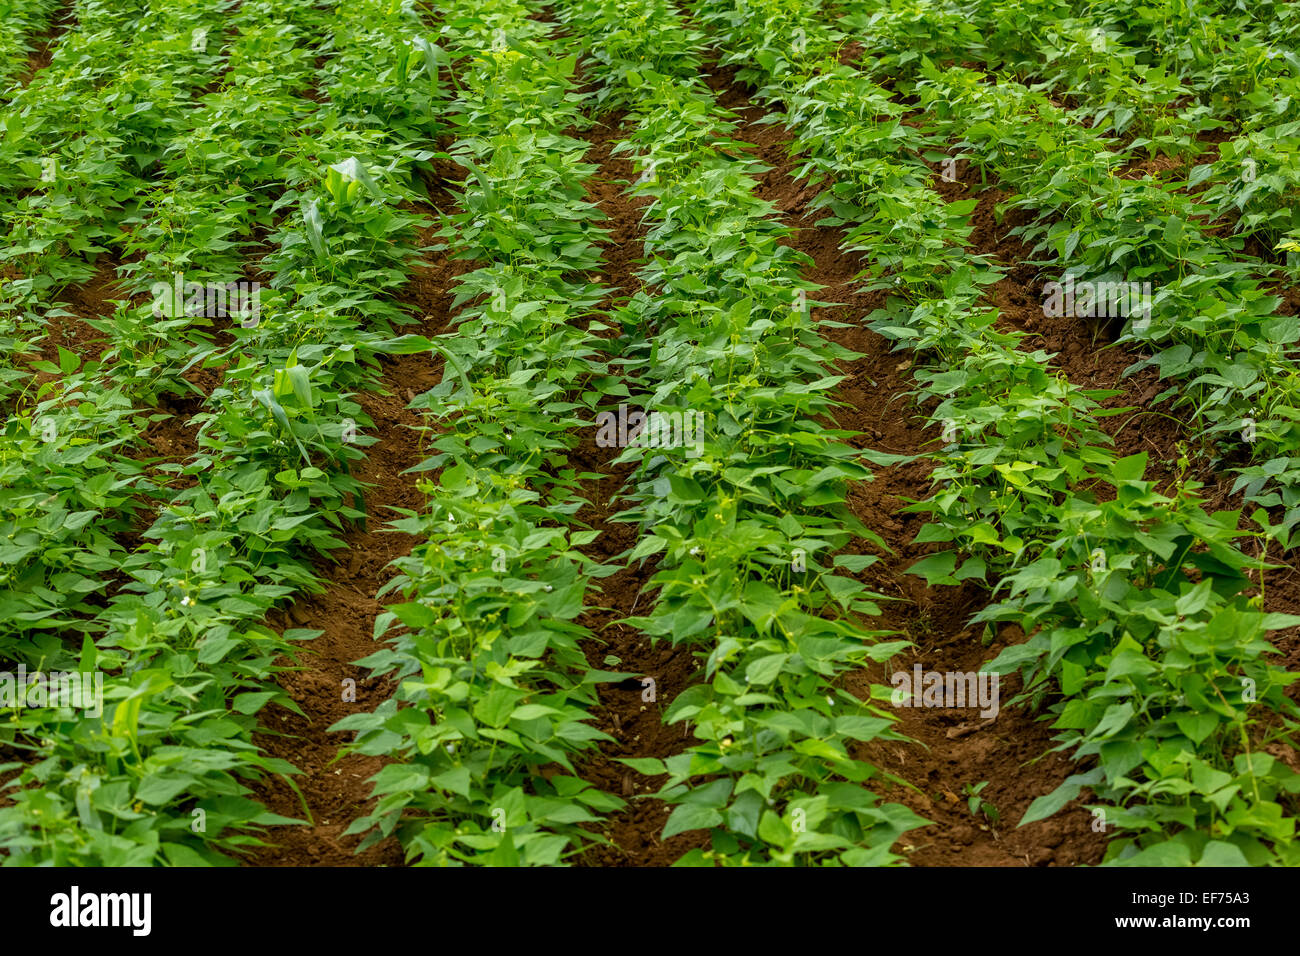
(549, 588)
(695, 551)
(186, 601)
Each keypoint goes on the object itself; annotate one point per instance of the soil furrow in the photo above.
(630, 714)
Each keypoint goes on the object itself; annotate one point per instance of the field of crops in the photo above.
(649, 432)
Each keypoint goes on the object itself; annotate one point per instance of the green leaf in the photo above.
(353, 170)
(301, 384)
(251, 703)
(456, 780)
(936, 568)
(1219, 853)
(1198, 726)
(1048, 804)
(650, 766)
(853, 563)
(765, 669)
(315, 227)
(1131, 468)
(690, 817)
(158, 788)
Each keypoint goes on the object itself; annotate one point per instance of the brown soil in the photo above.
(622, 250)
(91, 300)
(635, 723)
(336, 790)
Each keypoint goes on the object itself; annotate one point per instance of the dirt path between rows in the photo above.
(45, 43)
(635, 722)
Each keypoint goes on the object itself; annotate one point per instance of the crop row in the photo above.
(24, 21)
(1214, 327)
(1162, 78)
(1162, 74)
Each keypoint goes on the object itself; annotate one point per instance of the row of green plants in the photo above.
(88, 28)
(77, 143)
(1160, 75)
(1214, 326)
(493, 714)
(42, 198)
(75, 490)
(150, 340)
(1159, 78)
(1143, 641)
(750, 526)
(164, 776)
(24, 23)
